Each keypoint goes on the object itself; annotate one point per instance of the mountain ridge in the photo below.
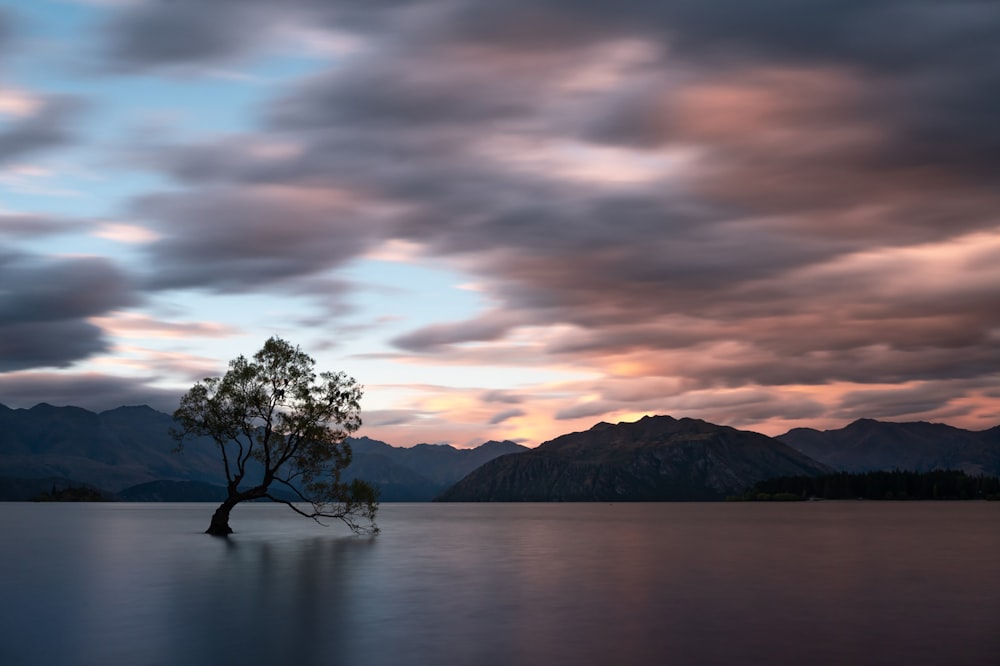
(658, 458)
(868, 445)
(127, 446)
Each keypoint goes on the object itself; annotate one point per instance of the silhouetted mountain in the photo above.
(396, 483)
(129, 446)
(656, 458)
(920, 447)
(111, 450)
(419, 473)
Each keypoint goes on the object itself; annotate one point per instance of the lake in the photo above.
(456, 584)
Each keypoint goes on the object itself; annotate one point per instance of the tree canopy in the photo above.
(281, 431)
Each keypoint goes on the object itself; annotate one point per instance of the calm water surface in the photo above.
(456, 584)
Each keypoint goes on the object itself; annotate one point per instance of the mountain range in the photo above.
(129, 453)
(868, 445)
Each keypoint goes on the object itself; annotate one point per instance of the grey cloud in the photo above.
(48, 344)
(593, 408)
(393, 93)
(57, 290)
(503, 397)
(888, 33)
(44, 307)
(185, 33)
(862, 365)
(746, 406)
(892, 403)
(738, 408)
(49, 127)
(390, 417)
(238, 240)
(505, 415)
(35, 226)
(489, 327)
(224, 161)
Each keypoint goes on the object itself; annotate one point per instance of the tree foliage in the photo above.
(281, 431)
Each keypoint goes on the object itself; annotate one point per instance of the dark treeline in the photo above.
(895, 485)
(72, 494)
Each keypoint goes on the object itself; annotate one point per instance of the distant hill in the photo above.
(120, 449)
(656, 458)
(419, 473)
(867, 445)
(111, 450)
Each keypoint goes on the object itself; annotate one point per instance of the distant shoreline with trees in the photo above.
(897, 485)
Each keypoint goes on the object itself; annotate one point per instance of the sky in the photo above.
(508, 219)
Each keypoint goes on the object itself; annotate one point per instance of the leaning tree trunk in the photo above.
(220, 519)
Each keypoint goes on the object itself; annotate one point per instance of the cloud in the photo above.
(45, 308)
(586, 409)
(491, 326)
(49, 126)
(391, 94)
(502, 397)
(235, 240)
(48, 344)
(13, 225)
(906, 400)
(390, 417)
(701, 197)
(506, 415)
(177, 34)
(134, 325)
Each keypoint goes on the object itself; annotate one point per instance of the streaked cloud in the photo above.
(762, 214)
(33, 226)
(41, 123)
(136, 325)
(45, 305)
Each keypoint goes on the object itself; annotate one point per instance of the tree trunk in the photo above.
(220, 519)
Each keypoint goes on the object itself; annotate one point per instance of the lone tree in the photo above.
(279, 425)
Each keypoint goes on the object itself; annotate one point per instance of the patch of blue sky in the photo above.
(404, 295)
(73, 184)
(53, 19)
(58, 56)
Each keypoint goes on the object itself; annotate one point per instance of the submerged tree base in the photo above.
(220, 521)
